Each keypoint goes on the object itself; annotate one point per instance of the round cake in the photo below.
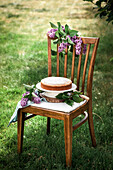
(56, 83)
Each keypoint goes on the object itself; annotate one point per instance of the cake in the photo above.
(56, 83)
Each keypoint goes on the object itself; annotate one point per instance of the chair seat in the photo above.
(63, 107)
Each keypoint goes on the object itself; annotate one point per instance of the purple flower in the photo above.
(36, 100)
(67, 44)
(78, 52)
(73, 39)
(84, 49)
(77, 40)
(80, 40)
(62, 47)
(63, 28)
(51, 33)
(68, 36)
(52, 30)
(27, 92)
(69, 94)
(78, 46)
(24, 102)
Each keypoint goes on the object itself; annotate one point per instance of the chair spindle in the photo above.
(65, 62)
(79, 68)
(73, 64)
(57, 61)
(85, 66)
(49, 57)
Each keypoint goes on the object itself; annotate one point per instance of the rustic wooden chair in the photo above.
(47, 109)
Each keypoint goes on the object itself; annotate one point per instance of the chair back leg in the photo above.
(91, 125)
(48, 125)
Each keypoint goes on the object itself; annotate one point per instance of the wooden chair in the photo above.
(47, 109)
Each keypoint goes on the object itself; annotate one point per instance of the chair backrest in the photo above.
(85, 63)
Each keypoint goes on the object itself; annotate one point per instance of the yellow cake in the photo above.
(56, 83)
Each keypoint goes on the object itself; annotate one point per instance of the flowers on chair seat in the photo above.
(36, 100)
(31, 94)
(24, 102)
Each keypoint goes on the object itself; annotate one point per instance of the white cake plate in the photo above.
(38, 86)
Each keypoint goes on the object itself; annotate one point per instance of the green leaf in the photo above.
(71, 48)
(62, 33)
(52, 25)
(67, 29)
(53, 52)
(26, 96)
(69, 102)
(77, 92)
(65, 41)
(65, 96)
(57, 34)
(56, 42)
(69, 41)
(72, 33)
(60, 30)
(30, 96)
(31, 90)
(77, 99)
(70, 99)
(59, 25)
(59, 96)
(28, 87)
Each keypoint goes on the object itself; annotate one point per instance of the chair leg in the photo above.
(20, 129)
(68, 140)
(48, 125)
(91, 125)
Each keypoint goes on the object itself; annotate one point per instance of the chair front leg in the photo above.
(20, 129)
(68, 139)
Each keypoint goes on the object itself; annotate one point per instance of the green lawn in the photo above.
(23, 59)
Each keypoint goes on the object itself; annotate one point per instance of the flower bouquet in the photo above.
(66, 37)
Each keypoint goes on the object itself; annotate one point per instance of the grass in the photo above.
(23, 59)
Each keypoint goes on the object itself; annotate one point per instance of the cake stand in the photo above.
(50, 95)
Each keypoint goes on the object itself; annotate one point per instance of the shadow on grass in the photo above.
(40, 151)
(34, 75)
